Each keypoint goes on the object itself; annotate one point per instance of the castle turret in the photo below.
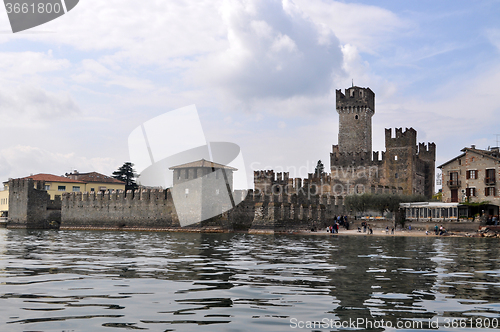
(356, 108)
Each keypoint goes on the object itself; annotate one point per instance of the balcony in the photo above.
(489, 181)
(454, 183)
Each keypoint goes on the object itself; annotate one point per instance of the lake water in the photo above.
(104, 281)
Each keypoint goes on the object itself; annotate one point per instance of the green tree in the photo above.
(320, 169)
(380, 202)
(126, 173)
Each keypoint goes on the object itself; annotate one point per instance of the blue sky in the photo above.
(262, 74)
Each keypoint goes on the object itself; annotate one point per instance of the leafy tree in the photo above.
(320, 169)
(379, 202)
(126, 173)
(359, 203)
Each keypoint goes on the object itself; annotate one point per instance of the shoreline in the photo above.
(482, 232)
(401, 233)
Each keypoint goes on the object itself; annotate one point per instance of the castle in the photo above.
(405, 167)
(277, 203)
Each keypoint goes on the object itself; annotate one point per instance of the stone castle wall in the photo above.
(405, 167)
(30, 205)
(142, 208)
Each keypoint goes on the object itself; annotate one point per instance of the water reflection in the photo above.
(54, 280)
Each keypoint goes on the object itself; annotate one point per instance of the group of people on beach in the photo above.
(439, 230)
(492, 220)
(338, 221)
(365, 228)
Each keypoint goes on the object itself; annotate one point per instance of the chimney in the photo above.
(473, 146)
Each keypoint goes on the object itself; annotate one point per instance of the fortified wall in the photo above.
(154, 209)
(30, 205)
(304, 207)
(405, 167)
(142, 208)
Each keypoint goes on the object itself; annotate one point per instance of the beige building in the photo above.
(55, 185)
(96, 181)
(73, 182)
(471, 178)
(4, 202)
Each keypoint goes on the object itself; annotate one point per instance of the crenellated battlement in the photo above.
(15, 184)
(406, 138)
(355, 99)
(144, 195)
(344, 159)
(427, 151)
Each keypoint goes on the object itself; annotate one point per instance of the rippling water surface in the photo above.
(103, 281)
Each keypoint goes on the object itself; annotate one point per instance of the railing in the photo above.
(454, 183)
(489, 181)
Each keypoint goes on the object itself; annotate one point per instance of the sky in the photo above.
(262, 74)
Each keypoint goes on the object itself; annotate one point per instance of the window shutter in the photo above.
(467, 175)
(487, 192)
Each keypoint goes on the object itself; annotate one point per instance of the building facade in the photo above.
(96, 181)
(471, 178)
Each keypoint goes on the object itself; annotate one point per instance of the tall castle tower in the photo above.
(356, 108)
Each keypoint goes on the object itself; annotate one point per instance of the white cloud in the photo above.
(28, 105)
(273, 51)
(147, 33)
(368, 28)
(16, 65)
(23, 160)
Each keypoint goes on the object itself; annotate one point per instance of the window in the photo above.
(396, 175)
(490, 176)
(395, 157)
(186, 173)
(471, 174)
(102, 188)
(92, 190)
(47, 187)
(61, 188)
(76, 188)
(489, 191)
(470, 192)
(356, 117)
(460, 161)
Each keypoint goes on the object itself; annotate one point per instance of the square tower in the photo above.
(356, 108)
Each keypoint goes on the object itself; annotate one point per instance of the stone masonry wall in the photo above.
(30, 205)
(142, 208)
